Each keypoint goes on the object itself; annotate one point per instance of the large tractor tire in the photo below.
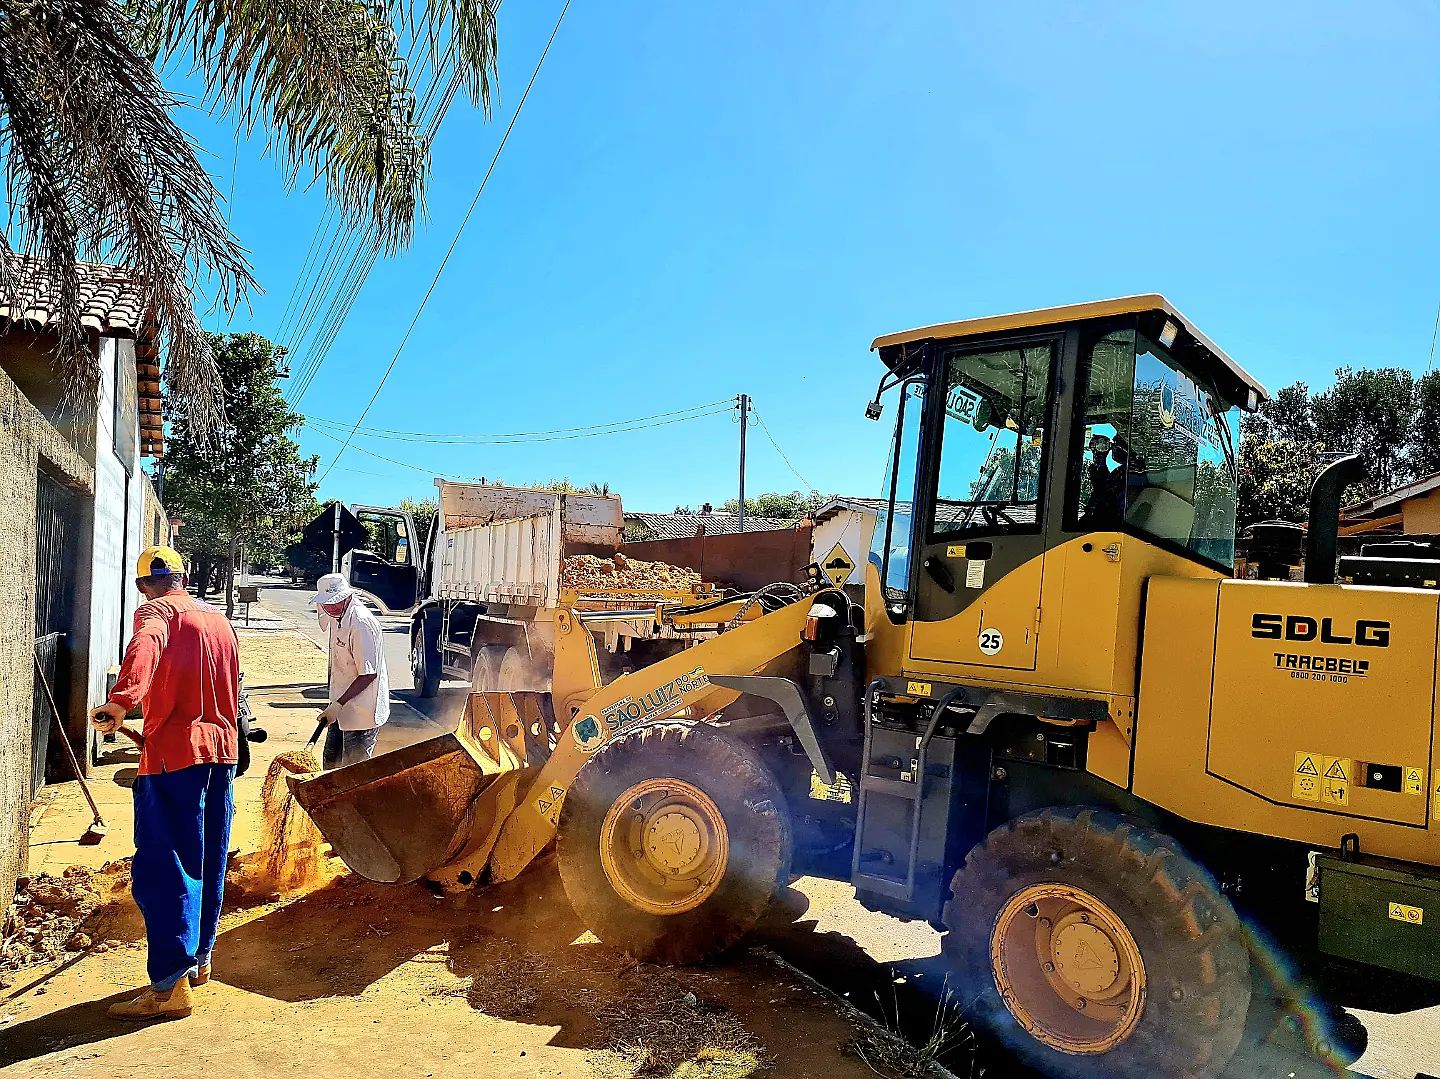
(425, 658)
(673, 839)
(1091, 946)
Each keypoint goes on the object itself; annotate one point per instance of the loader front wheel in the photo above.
(1091, 946)
(672, 840)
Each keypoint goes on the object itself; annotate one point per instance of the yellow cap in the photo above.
(159, 562)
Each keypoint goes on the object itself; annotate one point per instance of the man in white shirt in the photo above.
(359, 688)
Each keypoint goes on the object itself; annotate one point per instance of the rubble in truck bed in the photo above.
(588, 572)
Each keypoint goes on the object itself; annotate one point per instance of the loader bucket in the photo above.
(396, 817)
(402, 816)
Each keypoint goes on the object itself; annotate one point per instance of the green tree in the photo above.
(1369, 412)
(777, 505)
(422, 511)
(1276, 475)
(96, 168)
(1425, 431)
(249, 487)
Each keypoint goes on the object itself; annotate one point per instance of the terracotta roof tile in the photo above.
(111, 302)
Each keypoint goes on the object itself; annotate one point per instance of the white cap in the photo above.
(334, 588)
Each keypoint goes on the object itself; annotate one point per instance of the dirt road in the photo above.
(373, 977)
(365, 978)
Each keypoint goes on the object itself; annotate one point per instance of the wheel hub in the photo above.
(664, 846)
(675, 841)
(1068, 968)
(1085, 958)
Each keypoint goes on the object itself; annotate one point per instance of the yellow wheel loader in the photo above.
(1129, 787)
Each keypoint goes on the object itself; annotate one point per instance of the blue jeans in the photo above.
(348, 747)
(182, 841)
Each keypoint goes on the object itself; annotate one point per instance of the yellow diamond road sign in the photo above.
(837, 566)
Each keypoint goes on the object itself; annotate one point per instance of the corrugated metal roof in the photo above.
(689, 525)
(110, 301)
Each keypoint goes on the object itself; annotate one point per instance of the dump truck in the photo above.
(1135, 793)
(503, 563)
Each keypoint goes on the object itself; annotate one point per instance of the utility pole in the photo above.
(744, 423)
(335, 540)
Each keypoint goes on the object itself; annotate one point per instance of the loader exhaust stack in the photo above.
(1325, 516)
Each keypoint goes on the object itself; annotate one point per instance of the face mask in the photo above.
(327, 621)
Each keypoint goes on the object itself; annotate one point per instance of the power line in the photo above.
(783, 456)
(552, 438)
(345, 266)
(455, 242)
(490, 437)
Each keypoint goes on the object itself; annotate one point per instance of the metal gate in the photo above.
(57, 547)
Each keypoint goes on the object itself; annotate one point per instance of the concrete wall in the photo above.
(1422, 514)
(118, 529)
(155, 526)
(852, 529)
(28, 442)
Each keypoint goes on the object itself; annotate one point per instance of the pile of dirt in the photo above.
(53, 917)
(618, 573)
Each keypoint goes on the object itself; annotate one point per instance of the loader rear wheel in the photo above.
(1089, 945)
(672, 841)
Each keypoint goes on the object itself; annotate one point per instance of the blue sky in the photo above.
(701, 200)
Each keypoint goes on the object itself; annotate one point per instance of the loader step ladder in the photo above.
(894, 785)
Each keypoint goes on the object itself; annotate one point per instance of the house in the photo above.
(79, 509)
(849, 524)
(1411, 509)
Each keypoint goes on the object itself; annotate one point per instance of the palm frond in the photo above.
(328, 79)
(96, 168)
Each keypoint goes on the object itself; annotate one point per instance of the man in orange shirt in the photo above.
(183, 670)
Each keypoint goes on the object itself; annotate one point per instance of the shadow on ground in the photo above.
(517, 952)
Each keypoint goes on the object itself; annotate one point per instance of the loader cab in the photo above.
(1043, 465)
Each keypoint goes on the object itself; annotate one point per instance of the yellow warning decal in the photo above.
(955, 550)
(919, 689)
(1305, 784)
(1404, 912)
(840, 791)
(838, 565)
(1335, 779)
(549, 803)
(1413, 781)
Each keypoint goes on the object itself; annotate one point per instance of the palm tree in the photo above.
(96, 168)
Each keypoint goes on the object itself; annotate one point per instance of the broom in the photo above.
(97, 829)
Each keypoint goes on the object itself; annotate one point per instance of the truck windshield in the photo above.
(1159, 450)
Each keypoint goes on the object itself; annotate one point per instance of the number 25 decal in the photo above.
(991, 641)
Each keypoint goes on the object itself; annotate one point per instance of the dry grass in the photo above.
(886, 1051)
(664, 1031)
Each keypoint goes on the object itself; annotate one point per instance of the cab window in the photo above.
(1157, 452)
(992, 440)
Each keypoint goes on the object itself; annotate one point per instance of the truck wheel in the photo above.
(485, 668)
(672, 841)
(425, 659)
(1089, 945)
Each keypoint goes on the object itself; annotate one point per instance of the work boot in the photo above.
(201, 975)
(177, 1003)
